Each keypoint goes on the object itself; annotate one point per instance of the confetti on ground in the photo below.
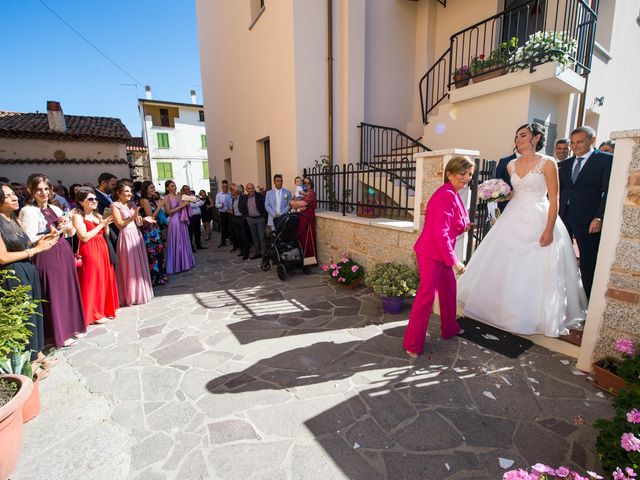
(489, 395)
(533, 380)
(446, 465)
(565, 362)
(578, 373)
(505, 463)
(356, 446)
(490, 337)
(600, 394)
(578, 420)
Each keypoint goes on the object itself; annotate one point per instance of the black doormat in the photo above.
(499, 341)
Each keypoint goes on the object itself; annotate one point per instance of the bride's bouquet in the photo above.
(494, 190)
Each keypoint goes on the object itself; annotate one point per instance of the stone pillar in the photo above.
(429, 177)
(614, 309)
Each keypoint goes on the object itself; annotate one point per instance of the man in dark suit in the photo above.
(503, 174)
(584, 183)
(251, 206)
(106, 183)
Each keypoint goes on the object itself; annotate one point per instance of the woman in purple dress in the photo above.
(62, 310)
(132, 270)
(179, 254)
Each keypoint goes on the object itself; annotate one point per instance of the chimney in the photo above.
(56, 117)
(147, 91)
(193, 97)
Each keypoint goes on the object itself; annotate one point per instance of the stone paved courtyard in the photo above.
(230, 373)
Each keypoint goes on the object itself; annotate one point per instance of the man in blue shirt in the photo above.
(224, 204)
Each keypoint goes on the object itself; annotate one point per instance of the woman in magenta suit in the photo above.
(445, 220)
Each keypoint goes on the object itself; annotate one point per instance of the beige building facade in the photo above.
(266, 79)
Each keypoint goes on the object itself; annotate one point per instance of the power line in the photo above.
(90, 43)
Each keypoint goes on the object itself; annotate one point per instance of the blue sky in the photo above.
(156, 41)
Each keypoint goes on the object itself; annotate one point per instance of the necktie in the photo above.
(278, 193)
(576, 169)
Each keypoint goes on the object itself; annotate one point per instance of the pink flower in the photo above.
(562, 472)
(633, 416)
(618, 475)
(594, 475)
(325, 268)
(624, 346)
(335, 273)
(542, 468)
(355, 268)
(344, 260)
(341, 280)
(630, 472)
(516, 475)
(630, 442)
(333, 266)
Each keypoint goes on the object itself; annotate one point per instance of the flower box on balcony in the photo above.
(489, 74)
(369, 211)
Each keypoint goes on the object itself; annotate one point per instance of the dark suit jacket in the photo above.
(103, 201)
(588, 197)
(244, 208)
(503, 174)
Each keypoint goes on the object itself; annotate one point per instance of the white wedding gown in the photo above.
(513, 283)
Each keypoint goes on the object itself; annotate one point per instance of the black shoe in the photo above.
(257, 255)
(233, 249)
(201, 248)
(245, 257)
(223, 244)
(241, 254)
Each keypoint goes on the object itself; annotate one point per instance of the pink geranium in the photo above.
(630, 442)
(325, 268)
(633, 416)
(341, 280)
(517, 475)
(624, 346)
(562, 472)
(333, 266)
(335, 273)
(355, 268)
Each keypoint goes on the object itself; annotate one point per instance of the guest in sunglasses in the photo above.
(96, 275)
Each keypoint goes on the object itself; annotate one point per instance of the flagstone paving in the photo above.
(230, 373)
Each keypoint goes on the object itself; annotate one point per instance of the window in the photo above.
(205, 169)
(165, 170)
(164, 117)
(201, 113)
(203, 141)
(163, 140)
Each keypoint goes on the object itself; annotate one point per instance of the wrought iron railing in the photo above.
(478, 210)
(529, 34)
(379, 143)
(382, 189)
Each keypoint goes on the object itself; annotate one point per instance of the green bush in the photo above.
(393, 280)
(17, 306)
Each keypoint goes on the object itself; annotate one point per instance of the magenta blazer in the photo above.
(445, 220)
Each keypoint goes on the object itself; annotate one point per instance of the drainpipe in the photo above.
(330, 76)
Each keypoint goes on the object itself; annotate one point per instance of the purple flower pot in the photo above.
(392, 304)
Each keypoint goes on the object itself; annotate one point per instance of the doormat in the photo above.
(499, 341)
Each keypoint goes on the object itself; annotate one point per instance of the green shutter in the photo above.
(205, 169)
(165, 170)
(203, 141)
(163, 140)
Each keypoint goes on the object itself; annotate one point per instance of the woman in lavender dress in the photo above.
(179, 254)
(132, 271)
(62, 311)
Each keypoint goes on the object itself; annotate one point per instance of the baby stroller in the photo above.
(285, 250)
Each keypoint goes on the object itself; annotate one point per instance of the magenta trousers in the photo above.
(435, 277)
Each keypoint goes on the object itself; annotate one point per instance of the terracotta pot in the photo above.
(607, 381)
(354, 284)
(11, 428)
(461, 80)
(368, 212)
(481, 77)
(31, 407)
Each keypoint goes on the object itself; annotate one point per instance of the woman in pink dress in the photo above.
(132, 270)
(445, 220)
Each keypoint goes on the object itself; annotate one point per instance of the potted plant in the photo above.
(461, 76)
(618, 441)
(345, 271)
(483, 68)
(612, 373)
(16, 306)
(543, 47)
(393, 282)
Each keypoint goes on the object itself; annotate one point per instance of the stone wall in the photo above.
(368, 241)
(621, 313)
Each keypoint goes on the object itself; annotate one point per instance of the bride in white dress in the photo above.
(524, 278)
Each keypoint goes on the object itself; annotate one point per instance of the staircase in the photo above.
(496, 44)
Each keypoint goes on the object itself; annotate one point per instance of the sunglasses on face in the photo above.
(92, 199)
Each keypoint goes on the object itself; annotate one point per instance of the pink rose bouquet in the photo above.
(494, 190)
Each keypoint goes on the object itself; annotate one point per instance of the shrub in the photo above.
(393, 280)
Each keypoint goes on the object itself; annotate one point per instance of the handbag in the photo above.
(77, 256)
(162, 219)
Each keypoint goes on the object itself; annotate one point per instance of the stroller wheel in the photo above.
(306, 269)
(282, 272)
(265, 265)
